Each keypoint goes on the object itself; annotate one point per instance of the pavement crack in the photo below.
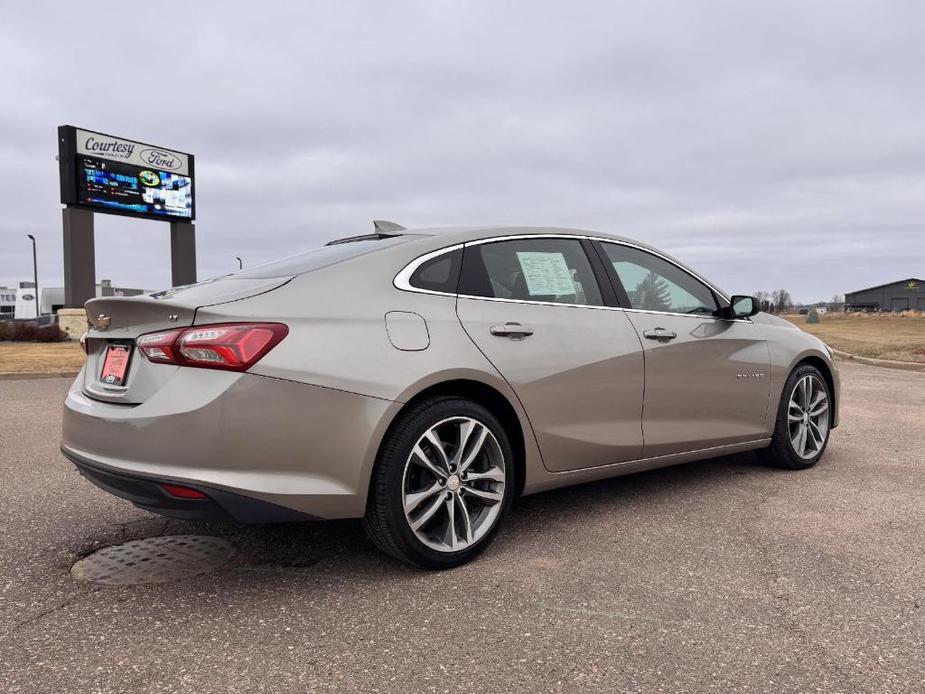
(40, 615)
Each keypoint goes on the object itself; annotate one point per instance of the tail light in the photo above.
(160, 347)
(228, 346)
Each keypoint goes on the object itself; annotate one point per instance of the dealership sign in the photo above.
(119, 176)
(117, 149)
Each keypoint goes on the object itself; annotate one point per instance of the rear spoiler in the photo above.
(384, 230)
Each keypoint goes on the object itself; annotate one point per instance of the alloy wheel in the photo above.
(808, 417)
(453, 484)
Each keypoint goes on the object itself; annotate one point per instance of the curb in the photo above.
(26, 375)
(884, 363)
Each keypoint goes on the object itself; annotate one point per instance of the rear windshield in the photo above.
(318, 258)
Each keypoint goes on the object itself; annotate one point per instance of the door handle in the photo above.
(515, 331)
(659, 334)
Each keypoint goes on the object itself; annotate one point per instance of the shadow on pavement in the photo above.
(304, 548)
(295, 547)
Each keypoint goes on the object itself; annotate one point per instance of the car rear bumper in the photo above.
(303, 448)
(149, 494)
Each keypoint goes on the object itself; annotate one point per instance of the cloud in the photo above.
(768, 144)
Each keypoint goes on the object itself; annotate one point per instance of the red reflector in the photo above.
(183, 492)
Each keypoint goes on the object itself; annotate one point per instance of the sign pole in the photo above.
(35, 276)
(182, 253)
(79, 257)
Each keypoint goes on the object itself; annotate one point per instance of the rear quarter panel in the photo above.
(338, 339)
(337, 330)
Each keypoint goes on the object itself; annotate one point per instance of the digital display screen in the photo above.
(129, 188)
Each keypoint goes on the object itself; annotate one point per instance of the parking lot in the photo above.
(716, 576)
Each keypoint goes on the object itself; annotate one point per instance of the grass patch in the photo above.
(33, 357)
(880, 336)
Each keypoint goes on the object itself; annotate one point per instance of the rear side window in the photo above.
(544, 270)
(440, 274)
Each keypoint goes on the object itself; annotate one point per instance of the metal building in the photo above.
(903, 295)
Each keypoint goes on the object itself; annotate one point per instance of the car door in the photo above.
(706, 378)
(535, 308)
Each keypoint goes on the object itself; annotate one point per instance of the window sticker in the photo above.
(546, 274)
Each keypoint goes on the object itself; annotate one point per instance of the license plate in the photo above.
(115, 365)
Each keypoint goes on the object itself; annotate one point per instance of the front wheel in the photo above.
(804, 418)
(442, 484)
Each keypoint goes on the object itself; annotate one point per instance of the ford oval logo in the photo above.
(28, 297)
(159, 158)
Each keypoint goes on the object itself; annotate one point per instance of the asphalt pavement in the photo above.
(716, 576)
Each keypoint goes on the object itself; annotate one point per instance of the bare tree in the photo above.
(764, 299)
(781, 299)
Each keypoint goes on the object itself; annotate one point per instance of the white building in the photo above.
(19, 303)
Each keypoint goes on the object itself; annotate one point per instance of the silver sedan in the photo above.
(421, 380)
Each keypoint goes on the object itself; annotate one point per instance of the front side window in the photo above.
(654, 284)
(544, 270)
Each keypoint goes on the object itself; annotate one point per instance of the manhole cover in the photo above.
(154, 560)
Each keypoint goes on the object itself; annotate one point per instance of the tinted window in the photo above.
(440, 274)
(654, 284)
(547, 270)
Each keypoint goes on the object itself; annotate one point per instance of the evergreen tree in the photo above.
(653, 293)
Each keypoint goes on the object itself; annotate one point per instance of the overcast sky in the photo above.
(768, 145)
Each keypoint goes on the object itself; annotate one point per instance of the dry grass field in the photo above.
(40, 357)
(881, 336)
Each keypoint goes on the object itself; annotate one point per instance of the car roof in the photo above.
(433, 238)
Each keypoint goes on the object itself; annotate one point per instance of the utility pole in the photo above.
(35, 275)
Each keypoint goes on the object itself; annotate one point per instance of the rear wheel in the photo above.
(442, 484)
(804, 417)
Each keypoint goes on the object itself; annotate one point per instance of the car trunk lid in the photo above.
(116, 322)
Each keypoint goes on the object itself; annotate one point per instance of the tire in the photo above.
(467, 506)
(784, 451)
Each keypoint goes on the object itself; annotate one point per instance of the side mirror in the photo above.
(743, 306)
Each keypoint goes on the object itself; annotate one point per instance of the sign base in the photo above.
(72, 321)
